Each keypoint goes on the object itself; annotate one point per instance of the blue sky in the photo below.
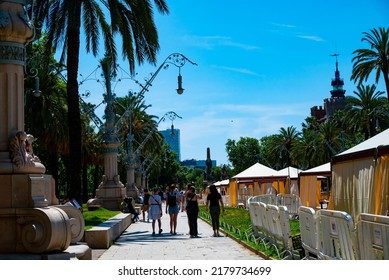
(261, 66)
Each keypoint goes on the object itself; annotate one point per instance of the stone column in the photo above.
(138, 178)
(131, 189)
(111, 190)
(15, 32)
(29, 220)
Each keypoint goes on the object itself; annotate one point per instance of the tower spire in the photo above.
(337, 83)
(337, 74)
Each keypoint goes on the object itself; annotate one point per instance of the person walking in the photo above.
(192, 210)
(145, 204)
(214, 202)
(172, 205)
(155, 211)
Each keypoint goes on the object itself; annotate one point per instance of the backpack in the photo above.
(171, 200)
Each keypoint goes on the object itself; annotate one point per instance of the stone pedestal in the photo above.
(111, 191)
(133, 191)
(110, 194)
(31, 221)
(32, 224)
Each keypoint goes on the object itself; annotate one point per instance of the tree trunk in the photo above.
(75, 154)
(85, 194)
(96, 178)
(386, 79)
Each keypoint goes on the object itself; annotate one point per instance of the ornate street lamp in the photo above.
(175, 59)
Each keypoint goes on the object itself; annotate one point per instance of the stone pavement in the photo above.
(137, 243)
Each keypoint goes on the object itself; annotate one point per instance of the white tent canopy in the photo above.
(381, 139)
(257, 171)
(222, 183)
(324, 168)
(290, 171)
(260, 179)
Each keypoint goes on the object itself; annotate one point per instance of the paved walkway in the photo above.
(137, 243)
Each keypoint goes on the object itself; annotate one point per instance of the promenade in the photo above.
(137, 243)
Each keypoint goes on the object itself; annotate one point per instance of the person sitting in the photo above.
(127, 207)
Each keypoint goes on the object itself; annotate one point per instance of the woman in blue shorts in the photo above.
(172, 205)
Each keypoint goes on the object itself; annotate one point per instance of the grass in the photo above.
(95, 217)
(239, 226)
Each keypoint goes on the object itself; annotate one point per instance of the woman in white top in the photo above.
(155, 211)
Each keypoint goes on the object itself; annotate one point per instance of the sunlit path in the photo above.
(137, 243)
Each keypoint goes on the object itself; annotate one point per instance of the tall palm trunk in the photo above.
(386, 79)
(85, 194)
(75, 153)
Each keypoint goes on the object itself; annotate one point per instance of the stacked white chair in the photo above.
(292, 202)
(373, 237)
(274, 226)
(253, 208)
(337, 236)
(287, 241)
(259, 231)
(265, 228)
(308, 231)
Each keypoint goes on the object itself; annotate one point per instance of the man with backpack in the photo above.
(172, 203)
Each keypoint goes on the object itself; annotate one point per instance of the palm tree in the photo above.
(366, 110)
(329, 142)
(130, 19)
(375, 58)
(142, 126)
(284, 144)
(304, 152)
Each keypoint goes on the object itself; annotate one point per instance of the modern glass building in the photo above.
(172, 138)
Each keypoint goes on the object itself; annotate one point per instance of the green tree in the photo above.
(243, 153)
(348, 137)
(304, 152)
(45, 111)
(136, 124)
(266, 155)
(328, 142)
(131, 20)
(366, 109)
(283, 145)
(92, 161)
(374, 59)
(168, 169)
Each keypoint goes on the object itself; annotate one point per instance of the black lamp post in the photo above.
(180, 90)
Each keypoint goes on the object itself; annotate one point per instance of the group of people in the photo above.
(185, 201)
